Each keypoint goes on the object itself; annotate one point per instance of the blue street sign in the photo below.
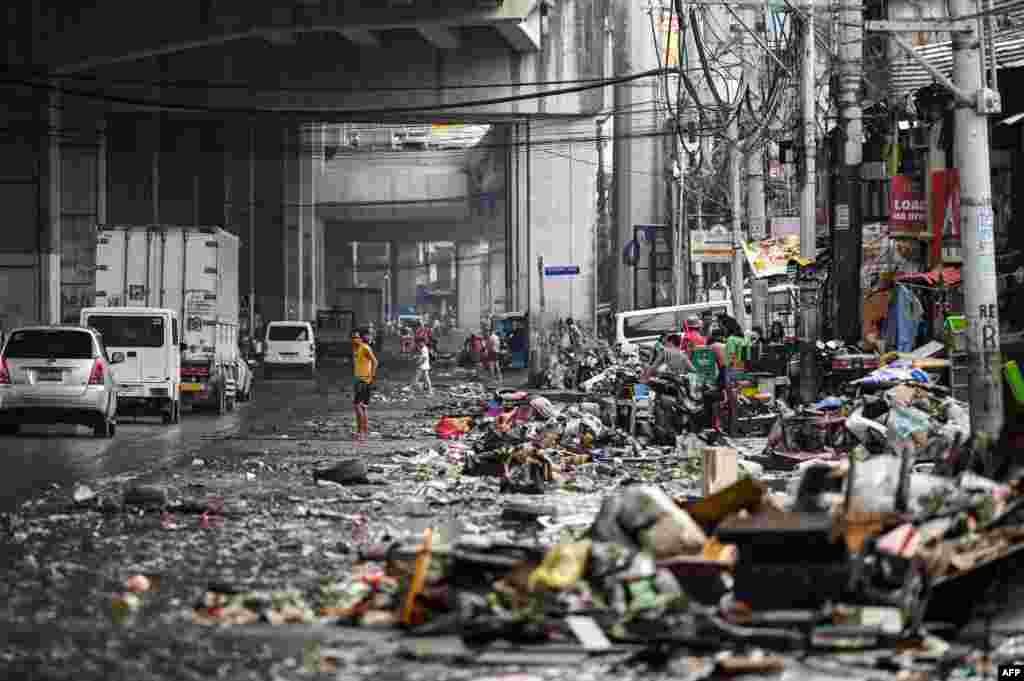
(561, 271)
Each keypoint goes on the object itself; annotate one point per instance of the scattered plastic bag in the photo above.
(875, 483)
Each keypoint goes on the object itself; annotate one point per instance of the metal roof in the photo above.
(906, 75)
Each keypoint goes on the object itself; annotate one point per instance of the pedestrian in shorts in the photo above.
(365, 370)
(493, 354)
(422, 367)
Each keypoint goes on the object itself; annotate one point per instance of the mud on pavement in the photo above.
(253, 553)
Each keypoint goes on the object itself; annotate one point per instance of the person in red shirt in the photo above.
(692, 337)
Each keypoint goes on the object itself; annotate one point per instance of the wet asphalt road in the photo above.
(41, 455)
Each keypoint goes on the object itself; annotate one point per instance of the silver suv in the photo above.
(57, 374)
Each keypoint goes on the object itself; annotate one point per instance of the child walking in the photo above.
(422, 367)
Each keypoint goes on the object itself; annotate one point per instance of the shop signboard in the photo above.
(945, 216)
(908, 210)
(712, 245)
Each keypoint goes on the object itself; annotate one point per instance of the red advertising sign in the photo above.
(908, 210)
(945, 216)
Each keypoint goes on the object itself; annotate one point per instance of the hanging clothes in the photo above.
(905, 315)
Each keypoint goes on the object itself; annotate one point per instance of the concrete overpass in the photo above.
(206, 112)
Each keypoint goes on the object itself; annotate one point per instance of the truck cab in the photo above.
(149, 337)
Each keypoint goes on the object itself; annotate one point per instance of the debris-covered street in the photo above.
(484, 534)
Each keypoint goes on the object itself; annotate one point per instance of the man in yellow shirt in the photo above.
(365, 370)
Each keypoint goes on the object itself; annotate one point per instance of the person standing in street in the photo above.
(422, 367)
(365, 370)
(493, 352)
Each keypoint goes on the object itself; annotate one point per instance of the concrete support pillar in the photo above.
(638, 163)
(355, 263)
(406, 255)
(267, 213)
(101, 172)
(50, 210)
(251, 220)
(303, 208)
(290, 233)
(499, 301)
(554, 217)
(469, 268)
(393, 273)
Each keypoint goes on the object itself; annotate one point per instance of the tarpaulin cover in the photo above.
(950, 277)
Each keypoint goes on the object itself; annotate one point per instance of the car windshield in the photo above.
(44, 344)
(129, 331)
(287, 333)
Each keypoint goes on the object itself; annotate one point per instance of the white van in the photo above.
(289, 345)
(150, 339)
(637, 330)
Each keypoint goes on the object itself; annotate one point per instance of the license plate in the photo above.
(50, 375)
(858, 364)
(190, 387)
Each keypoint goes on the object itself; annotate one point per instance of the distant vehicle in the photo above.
(636, 331)
(409, 321)
(58, 374)
(149, 338)
(334, 333)
(192, 271)
(289, 345)
(366, 304)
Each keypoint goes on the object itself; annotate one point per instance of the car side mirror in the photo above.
(116, 357)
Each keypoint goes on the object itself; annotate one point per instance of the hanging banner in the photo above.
(785, 226)
(770, 257)
(668, 44)
(945, 216)
(908, 210)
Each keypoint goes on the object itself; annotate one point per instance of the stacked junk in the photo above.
(887, 527)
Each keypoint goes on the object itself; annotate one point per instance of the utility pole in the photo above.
(808, 247)
(847, 235)
(735, 161)
(971, 156)
(680, 267)
(755, 154)
(539, 330)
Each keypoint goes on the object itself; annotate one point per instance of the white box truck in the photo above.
(193, 272)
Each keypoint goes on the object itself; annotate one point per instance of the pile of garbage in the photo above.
(850, 559)
(894, 408)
